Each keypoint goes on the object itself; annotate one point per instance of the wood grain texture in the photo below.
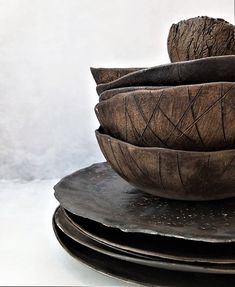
(105, 75)
(106, 95)
(206, 70)
(200, 37)
(192, 117)
(173, 174)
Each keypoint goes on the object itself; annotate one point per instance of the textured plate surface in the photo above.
(74, 233)
(137, 273)
(152, 246)
(98, 193)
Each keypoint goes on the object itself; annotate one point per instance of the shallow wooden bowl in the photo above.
(106, 95)
(174, 174)
(206, 70)
(105, 75)
(191, 117)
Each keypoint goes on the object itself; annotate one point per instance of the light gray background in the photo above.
(47, 94)
(47, 121)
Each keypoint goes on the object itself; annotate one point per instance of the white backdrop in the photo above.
(47, 94)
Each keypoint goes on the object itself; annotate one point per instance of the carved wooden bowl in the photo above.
(206, 70)
(173, 174)
(106, 95)
(105, 75)
(191, 117)
(200, 37)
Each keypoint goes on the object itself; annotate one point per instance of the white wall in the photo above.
(47, 94)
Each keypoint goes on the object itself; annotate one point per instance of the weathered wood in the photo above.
(105, 75)
(200, 37)
(194, 117)
(212, 69)
(174, 174)
(106, 95)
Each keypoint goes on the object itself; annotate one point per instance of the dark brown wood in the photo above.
(106, 95)
(105, 75)
(212, 69)
(174, 174)
(193, 117)
(200, 37)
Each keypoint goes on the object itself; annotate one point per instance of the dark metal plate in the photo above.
(137, 273)
(99, 194)
(155, 246)
(74, 233)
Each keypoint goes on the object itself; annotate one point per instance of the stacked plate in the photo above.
(167, 132)
(116, 229)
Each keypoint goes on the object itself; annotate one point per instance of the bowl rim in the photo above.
(154, 89)
(99, 132)
(188, 62)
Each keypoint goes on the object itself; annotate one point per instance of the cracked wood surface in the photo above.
(200, 37)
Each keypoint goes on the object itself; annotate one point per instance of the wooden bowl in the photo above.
(105, 75)
(206, 70)
(174, 174)
(106, 95)
(192, 117)
(200, 37)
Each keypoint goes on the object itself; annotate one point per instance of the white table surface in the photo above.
(29, 251)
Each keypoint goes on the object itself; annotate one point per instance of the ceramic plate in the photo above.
(138, 273)
(99, 194)
(152, 246)
(74, 233)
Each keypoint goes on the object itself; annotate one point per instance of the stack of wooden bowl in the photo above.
(170, 130)
(167, 132)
